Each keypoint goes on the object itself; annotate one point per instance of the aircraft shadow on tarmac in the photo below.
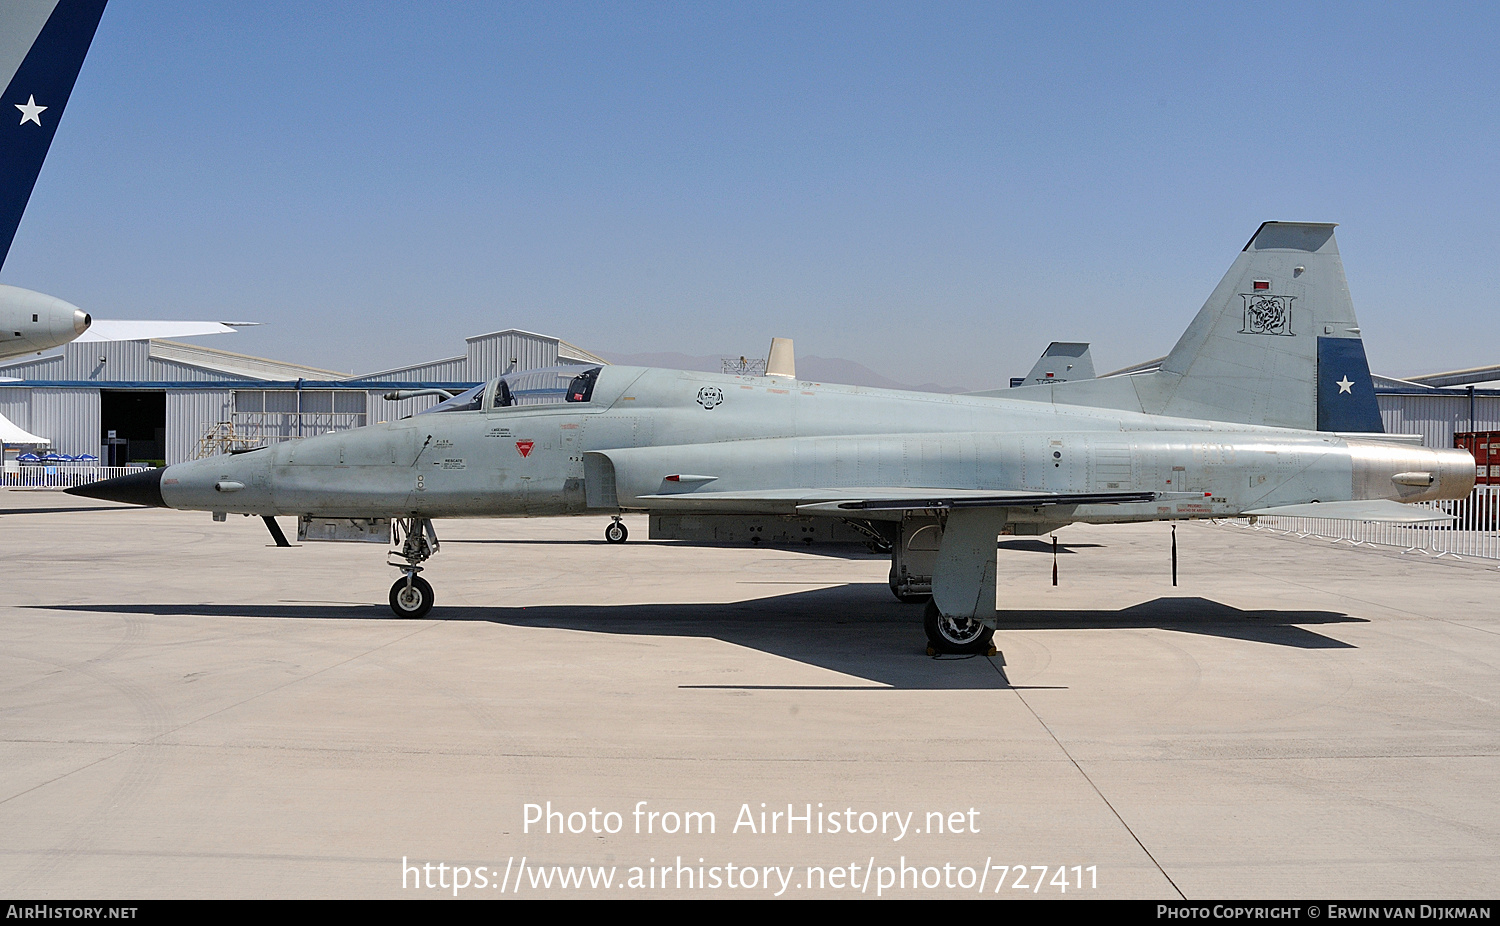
(856, 630)
(73, 509)
(1032, 545)
(836, 550)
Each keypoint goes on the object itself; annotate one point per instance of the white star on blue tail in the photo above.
(1345, 385)
(30, 112)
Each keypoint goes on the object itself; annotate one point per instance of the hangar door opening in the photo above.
(133, 426)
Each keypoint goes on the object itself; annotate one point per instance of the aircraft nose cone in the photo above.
(81, 321)
(134, 489)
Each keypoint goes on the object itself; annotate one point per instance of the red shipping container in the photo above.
(1484, 446)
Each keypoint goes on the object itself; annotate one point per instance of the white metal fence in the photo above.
(62, 475)
(1475, 530)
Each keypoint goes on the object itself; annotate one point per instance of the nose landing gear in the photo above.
(616, 532)
(412, 595)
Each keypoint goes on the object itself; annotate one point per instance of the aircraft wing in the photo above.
(649, 477)
(142, 330)
(1384, 511)
(851, 500)
(987, 500)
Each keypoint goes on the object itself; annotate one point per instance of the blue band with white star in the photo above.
(35, 100)
(1346, 394)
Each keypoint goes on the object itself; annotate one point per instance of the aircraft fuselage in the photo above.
(767, 445)
(31, 322)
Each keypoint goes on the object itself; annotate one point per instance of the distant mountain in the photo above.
(809, 368)
(838, 370)
(667, 360)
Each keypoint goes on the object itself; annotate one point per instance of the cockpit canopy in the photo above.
(470, 400)
(545, 386)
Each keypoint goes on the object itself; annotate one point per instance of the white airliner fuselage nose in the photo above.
(32, 321)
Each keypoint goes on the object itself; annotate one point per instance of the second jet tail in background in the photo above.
(1276, 344)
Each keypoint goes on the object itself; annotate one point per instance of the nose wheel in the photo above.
(616, 532)
(412, 597)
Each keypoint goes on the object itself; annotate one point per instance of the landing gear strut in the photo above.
(961, 617)
(616, 531)
(412, 595)
(902, 595)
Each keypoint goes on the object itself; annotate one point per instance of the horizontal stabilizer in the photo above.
(1380, 510)
(1407, 440)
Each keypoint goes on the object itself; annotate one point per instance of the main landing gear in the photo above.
(960, 618)
(616, 532)
(412, 595)
(957, 635)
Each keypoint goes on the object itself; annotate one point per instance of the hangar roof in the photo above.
(156, 361)
(242, 365)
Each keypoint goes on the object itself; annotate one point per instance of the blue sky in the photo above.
(934, 190)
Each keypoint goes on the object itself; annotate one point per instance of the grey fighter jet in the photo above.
(1264, 406)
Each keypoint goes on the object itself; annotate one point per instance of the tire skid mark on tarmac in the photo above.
(145, 757)
(1332, 680)
(1191, 670)
(430, 684)
(1036, 658)
(142, 761)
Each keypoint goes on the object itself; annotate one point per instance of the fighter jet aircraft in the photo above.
(1264, 406)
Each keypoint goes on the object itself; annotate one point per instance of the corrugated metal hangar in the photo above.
(164, 402)
(1439, 405)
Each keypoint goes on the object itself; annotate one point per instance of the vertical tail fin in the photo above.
(42, 46)
(1061, 362)
(1276, 344)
